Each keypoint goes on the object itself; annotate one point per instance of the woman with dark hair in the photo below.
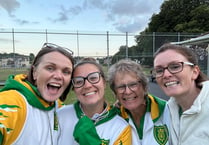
(91, 120)
(178, 74)
(29, 102)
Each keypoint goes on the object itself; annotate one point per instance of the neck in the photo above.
(138, 114)
(90, 110)
(186, 101)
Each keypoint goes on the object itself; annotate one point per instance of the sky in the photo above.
(120, 16)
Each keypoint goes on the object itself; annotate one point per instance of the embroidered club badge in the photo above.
(161, 134)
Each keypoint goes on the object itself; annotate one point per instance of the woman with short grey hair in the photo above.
(147, 114)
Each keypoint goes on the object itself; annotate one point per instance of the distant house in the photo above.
(3, 62)
(22, 61)
(18, 62)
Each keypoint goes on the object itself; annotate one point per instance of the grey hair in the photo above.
(127, 66)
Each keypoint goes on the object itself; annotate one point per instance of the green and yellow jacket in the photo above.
(25, 118)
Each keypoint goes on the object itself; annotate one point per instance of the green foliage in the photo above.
(133, 52)
(10, 55)
(181, 16)
(184, 16)
(31, 57)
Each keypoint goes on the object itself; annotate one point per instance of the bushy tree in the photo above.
(181, 16)
(184, 16)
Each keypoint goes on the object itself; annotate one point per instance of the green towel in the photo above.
(85, 132)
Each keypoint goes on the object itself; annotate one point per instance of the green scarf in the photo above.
(32, 98)
(85, 132)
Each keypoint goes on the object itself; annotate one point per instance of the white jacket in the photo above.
(192, 128)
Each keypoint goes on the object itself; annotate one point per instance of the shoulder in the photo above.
(66, 108)
(117, 122)
(67, 111)
(12, 97)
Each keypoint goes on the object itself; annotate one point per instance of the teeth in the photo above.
(55, 85)
(91, 93)
(171, 83)
(129, 99)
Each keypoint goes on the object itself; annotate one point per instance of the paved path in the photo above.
(155, 90)
(2, 83)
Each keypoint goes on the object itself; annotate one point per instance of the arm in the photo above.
(12, 116)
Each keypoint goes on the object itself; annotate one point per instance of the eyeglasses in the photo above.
(51, 45)
(172, 68)
(92, 78)
(133, 86)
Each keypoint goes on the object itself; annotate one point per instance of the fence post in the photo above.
(108, 60)
(13, 42)
(46, 36)
(126, 45)
(153, 43)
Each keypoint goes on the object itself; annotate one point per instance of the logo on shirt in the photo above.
(105, 142)
(161, 134)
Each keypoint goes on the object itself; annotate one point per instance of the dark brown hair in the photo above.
(37, 60)
(187, 53)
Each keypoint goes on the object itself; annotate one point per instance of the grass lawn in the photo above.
(5, 72)
(109, 96)
(71, 98)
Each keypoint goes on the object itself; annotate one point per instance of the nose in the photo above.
(87, 83)
(166, 73)
(58, 74)
(127, 90)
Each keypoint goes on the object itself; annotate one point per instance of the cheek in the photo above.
(67, 80)
(101, 85)
(76, 91)
(158, 80)
(118, 95)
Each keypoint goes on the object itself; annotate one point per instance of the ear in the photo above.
(34, 73)
(196, 72)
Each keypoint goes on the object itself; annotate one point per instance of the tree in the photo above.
(184, 16)
(181, 16)
(31, 57)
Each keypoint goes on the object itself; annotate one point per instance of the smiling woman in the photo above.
(179, 76)
(91, 111)
(147, 114)
(33, 99)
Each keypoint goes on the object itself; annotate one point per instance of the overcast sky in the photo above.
(83, 15)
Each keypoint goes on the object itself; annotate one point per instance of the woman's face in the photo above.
(52, 75)
(178, 84)
(133, 96)
(89, 94)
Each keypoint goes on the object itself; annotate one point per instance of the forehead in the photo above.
(56, 57)
(85, 69)
(125, 77)
(167, 57)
